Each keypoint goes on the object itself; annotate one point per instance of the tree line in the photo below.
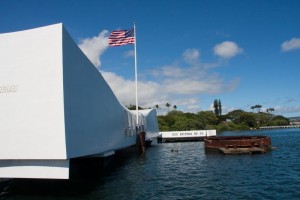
(234, 120)
(238, 119)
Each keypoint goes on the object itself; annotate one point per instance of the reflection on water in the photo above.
(179, 171)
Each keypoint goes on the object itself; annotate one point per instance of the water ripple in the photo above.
(184, 171)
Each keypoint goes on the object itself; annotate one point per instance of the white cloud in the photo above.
(177, 85)
(192, 80)
(191, 56)
(148, 92)
(186, 86)
(129, 53)
(188, 104)
(181, 90)
(167, 71)
(287, 110)
(291, 44)
(94, 47)
(171, 83)
(227, 49)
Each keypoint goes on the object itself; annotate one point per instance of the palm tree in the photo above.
(157, 107)
(271, 110)
(175, 107)
(168, 105)
(220, 108)
(258, 107)
(216, 107)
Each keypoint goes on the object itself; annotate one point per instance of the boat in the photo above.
(56, 106)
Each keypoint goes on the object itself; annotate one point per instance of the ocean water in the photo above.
(182, 171)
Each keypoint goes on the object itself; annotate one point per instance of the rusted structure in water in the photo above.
(238, 144)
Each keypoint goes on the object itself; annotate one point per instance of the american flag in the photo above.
(121, 37)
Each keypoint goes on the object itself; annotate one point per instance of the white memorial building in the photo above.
(55, 106)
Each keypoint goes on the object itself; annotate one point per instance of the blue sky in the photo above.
(189, 52)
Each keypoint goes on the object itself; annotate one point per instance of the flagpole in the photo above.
(136, 82)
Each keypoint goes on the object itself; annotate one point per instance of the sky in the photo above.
(189, 52)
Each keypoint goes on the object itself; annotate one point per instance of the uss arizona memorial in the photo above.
(56, 106)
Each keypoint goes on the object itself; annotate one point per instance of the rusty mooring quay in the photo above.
(238, 144)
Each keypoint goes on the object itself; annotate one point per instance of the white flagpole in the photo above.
(136, 84)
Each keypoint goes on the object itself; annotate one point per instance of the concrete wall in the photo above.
(94, 118)
(32, 114)
(55, 105)
(151, 123)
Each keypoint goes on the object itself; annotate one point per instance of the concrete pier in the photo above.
(279, 127)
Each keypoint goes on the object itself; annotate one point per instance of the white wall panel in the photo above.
(32, 116)
(94, 117)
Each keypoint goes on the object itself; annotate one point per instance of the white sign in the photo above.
(181, 134)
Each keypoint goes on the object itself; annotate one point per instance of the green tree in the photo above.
(168, 120)
(271, 110)
(234, 120)
(162, 124)
(234, 116)
(280, 120)
(207, 117)
(263, 118)
(133, 107)
(157, 108)
(220, 108)
(258, 107)
(179, 121)
(248, 119)
(168, 106)
(216, 107)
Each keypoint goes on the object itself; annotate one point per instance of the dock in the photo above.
(280, 127)
(232, 145)
(184, 136)
(232, 151)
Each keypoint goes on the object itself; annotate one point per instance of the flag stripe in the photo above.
(121, 37)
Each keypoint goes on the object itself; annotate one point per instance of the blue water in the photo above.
(184, 171)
